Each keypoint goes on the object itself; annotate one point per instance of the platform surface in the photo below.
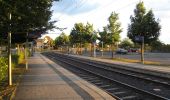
(46, 80)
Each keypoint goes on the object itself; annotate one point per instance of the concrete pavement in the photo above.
(46, 80)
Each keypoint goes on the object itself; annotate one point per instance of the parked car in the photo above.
(121, 51)
(133, 50)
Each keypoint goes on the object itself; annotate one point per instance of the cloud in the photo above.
(97, 12)
(73, 7)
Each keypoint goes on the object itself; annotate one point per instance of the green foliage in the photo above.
(88, 33)
(3, 68)
(16, 59)
(76, 35)
(126, 43)
(114, 28)
(21, 56)
(158, 46)
(81, 33)
(111, 32)
(63, 39)
(143, 24)
(94, 37)
(165, 48)
(104, 36)
(28, 53)
(27, 16)
(49, 41)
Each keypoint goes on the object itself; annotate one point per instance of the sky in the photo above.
(96, 12)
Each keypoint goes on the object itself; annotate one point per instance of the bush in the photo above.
(21, 56)
(28, 53)
(3, 68)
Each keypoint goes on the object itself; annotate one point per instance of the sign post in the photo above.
(141, 39)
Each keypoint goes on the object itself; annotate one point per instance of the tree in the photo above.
(80, 34)
(89, 35)
(156, 45)
(114, 29)
(143, 26)
(48, 42)
(63, 39)
(126, 43)
(28, 16)
(88, 32)
(104, 36)
(76, 34)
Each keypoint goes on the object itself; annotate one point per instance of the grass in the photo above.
(137, 61)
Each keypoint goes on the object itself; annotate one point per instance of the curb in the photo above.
(14, 91)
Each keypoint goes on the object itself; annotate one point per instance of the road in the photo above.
(162, 58)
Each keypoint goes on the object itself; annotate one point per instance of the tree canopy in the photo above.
(81, 33)
(114, 28)
(63, 39)
(27, 16)
(104, 36)
(143, 24)
(126, 43)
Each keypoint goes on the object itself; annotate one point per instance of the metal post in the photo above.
(18, 49)
(94, 49)
(26, 47)
(9, 55)
(102, 48)
(142, 51)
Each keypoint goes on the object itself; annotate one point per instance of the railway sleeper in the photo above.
(130, 97)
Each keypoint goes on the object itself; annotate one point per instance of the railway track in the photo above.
(122, 84)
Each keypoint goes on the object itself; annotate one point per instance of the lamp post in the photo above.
(102, 48)
(9, 54)
(94, 37)
(94, 51)
(26, 48)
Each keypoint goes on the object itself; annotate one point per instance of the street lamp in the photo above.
(9, 53)
(26, 49)
(102, 48)
(94, 37)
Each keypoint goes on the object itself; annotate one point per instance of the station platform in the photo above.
(163, 71)
(46, 80)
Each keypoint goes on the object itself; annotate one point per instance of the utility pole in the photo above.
(9, 53)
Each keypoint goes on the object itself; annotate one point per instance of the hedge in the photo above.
(3, 68)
